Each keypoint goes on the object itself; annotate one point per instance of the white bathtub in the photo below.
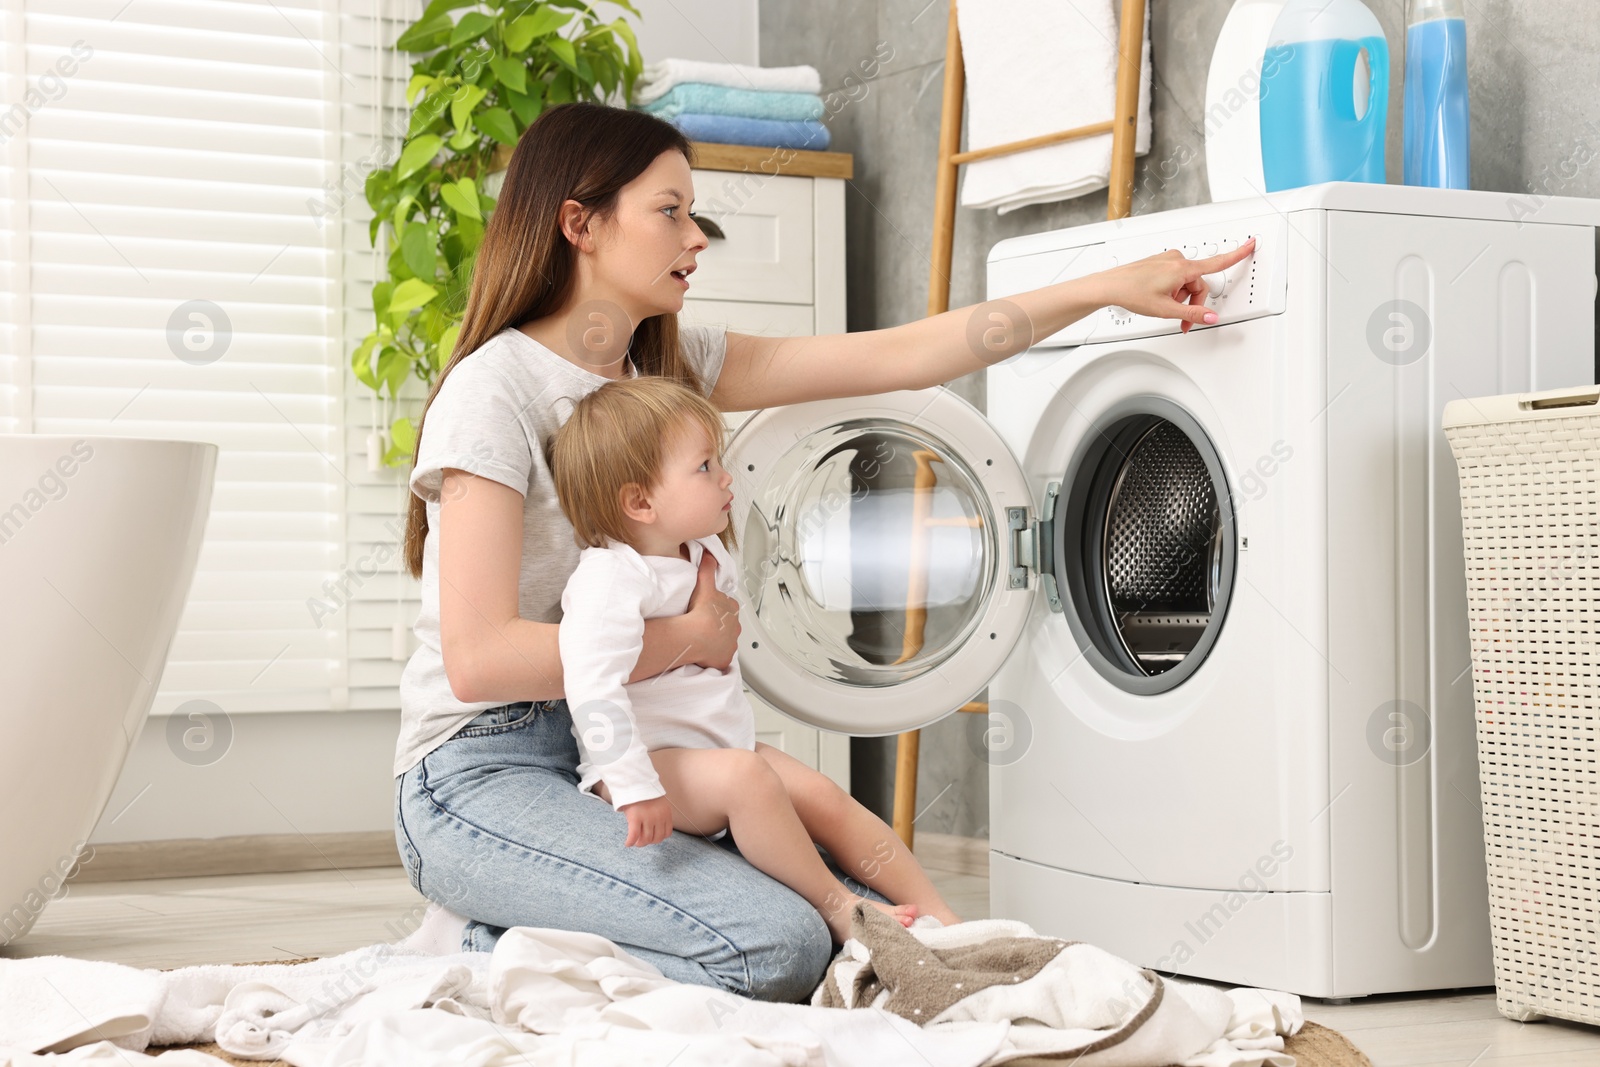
(98, 542)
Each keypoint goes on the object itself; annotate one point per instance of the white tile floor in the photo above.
(237, 918)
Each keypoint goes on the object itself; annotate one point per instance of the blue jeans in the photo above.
(491, 825)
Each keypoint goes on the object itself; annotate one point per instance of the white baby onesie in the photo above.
(604, 607)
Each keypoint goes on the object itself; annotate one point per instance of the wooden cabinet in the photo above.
(778, 270)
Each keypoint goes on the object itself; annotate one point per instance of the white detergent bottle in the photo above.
(1233, 100)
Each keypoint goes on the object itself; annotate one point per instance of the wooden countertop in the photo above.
(755, 159)
(762, 160)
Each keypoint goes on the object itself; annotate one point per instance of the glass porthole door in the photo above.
(879, 588)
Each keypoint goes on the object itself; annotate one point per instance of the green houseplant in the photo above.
(480, 80)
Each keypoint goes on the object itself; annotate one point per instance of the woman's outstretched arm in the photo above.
(491, 652)
(761, 372)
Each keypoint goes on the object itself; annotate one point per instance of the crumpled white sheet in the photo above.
(1084, 994)
(564, 998)
(553, 998)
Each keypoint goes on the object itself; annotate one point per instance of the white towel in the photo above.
(658, 78)
(1035, 67)
(56, 1003)
(259, 1019)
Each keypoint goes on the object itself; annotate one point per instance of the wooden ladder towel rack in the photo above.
(1123, 128)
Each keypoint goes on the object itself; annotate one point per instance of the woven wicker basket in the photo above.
(1530, 510)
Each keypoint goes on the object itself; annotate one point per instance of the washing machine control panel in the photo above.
(1254, 287)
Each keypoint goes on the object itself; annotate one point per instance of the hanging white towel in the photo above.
(1035, 67)
(658, 78)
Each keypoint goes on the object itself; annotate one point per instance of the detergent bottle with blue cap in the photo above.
(1436, 114)
(1324, 95)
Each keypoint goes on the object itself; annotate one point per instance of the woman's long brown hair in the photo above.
(525, 266)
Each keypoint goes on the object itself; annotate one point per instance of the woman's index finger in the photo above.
(1224, 260)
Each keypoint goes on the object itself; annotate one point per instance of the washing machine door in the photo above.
(881, 585)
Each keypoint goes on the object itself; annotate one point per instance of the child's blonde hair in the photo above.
(617, 435)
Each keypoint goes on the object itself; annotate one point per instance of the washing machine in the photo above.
(1212, 582)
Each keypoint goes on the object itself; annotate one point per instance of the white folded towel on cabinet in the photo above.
(1035, 67)
(659, 78)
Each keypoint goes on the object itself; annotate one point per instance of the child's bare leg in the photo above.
(713, 789)
(859, 841)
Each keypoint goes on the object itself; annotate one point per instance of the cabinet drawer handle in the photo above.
(709, 227)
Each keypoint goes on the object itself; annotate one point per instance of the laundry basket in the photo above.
(1530, 511)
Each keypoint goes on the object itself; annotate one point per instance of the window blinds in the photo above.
(14, 392)
(382, 601)
(184, 256)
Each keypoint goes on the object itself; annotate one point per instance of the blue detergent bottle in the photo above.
(1436, 113)
(1324, 95)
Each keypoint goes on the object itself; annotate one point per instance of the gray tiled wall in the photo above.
(1534, 73)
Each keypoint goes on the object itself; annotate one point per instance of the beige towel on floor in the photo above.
(1061, 999)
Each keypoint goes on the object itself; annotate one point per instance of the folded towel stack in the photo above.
(730, 103)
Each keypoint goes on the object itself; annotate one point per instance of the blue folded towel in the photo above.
(769, 133)
(749, 103)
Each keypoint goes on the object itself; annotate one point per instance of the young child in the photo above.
(638, 472)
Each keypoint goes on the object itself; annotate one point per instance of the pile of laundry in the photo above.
(731, 103)
(979, 993)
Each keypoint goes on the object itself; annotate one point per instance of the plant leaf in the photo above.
(496, 122)
(419, 250)
(426, 34)
(522, 31)
(381, 293)
(620, 27)
(361, 362)
(390, 362)
(395, 371)
(527, 107)
(409, 294)
(511, 72)
(402, 211)
(461, 104)
(403, 434)
(473, 24)
(418, 83)
(446, 346)
(560, 91)
(463, 197)
(439, 7)
(418, 154)
(463, 139)
(562, 49)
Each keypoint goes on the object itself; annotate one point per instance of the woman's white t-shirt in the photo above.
(492, 417)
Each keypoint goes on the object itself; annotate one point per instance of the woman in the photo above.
(578, 281)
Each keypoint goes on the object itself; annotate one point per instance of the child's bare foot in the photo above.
(905, 914)
(839, 921)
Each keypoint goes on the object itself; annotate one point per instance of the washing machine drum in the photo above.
(1146, 549)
